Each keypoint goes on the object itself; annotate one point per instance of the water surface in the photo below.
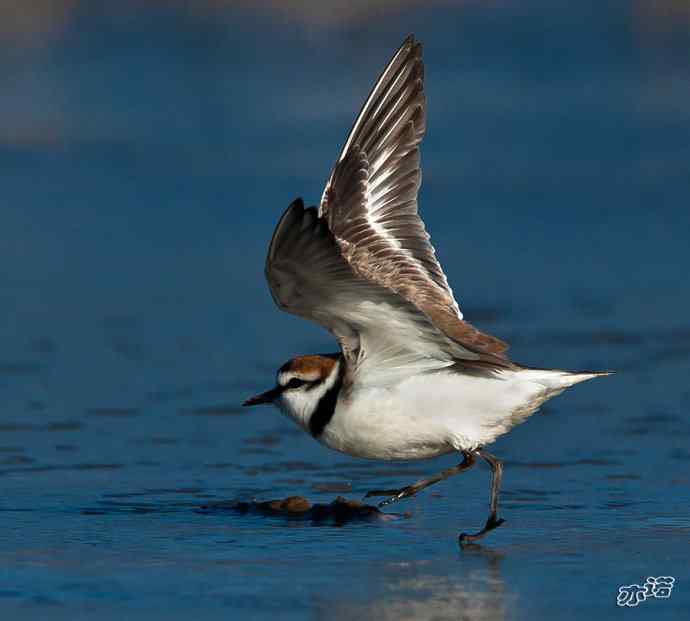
(146, 154)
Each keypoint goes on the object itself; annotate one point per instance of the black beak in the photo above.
(265, 397)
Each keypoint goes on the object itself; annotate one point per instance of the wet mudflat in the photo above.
(138, 199)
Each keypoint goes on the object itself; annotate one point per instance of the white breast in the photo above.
(428, 415)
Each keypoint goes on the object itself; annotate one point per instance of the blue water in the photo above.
(145, 156)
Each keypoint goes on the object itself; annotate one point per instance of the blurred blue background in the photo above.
(146, 152)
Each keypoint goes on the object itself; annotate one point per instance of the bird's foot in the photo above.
(492, 523)
(393, 494)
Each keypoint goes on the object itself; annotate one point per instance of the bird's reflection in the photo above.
(418, 590)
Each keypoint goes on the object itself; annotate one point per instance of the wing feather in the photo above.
(382, 335)
(370, 203)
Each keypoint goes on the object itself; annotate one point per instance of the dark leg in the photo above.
(493, 521)
(411, 490)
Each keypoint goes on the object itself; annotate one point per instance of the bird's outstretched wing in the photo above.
(370, 203)
(382, 335)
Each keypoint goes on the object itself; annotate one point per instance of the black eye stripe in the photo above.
(296, 382)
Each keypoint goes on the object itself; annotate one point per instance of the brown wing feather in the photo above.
(370, 203)
(379, 331)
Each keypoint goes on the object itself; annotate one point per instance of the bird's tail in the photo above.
(555, 379)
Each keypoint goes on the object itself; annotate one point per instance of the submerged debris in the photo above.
(297, 507)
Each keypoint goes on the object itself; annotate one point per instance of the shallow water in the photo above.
(146, 155)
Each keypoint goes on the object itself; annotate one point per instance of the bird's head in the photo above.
(301, 384)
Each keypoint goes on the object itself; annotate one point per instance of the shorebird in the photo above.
(413, 379)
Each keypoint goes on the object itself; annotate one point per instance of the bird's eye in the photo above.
(295, 382)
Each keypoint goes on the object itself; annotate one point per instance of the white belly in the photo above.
(428, 415)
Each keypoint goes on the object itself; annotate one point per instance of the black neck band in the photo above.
(326, 407)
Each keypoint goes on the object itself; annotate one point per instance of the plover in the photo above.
(413, 379)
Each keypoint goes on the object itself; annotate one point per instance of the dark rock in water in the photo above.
(290, 505)
(342, 509)
(339, 511)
